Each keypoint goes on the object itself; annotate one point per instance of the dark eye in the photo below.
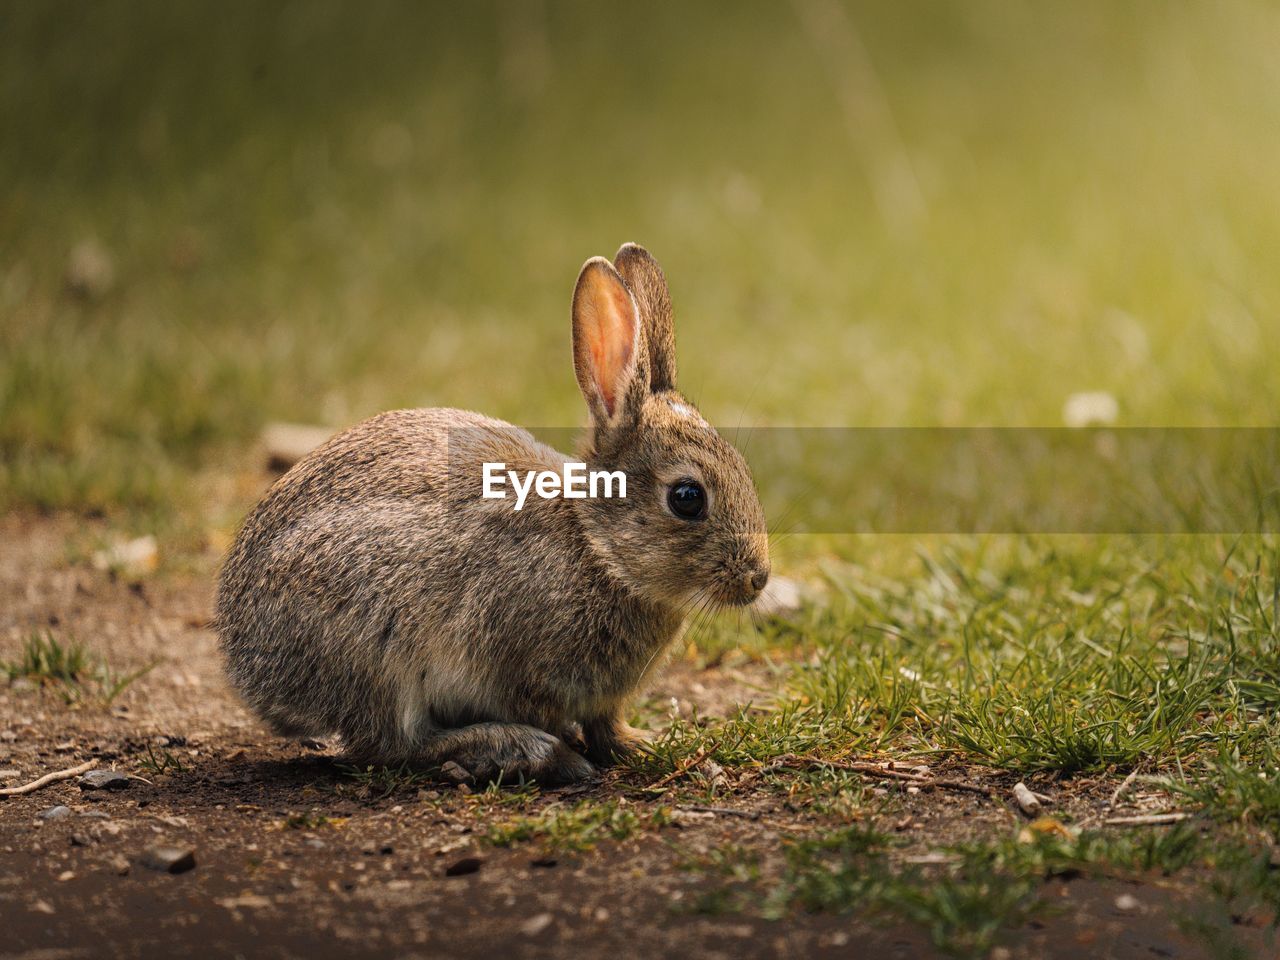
(687, 499)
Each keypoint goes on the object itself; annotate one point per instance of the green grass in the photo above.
(382, 781)
(164, 762)
(980, 893)
(580, 827)
(1063, 655)
(69, 668)
(45, 659)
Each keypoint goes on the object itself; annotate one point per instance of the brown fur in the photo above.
(373, 593)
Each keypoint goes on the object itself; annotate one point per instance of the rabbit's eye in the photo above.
(687, 500)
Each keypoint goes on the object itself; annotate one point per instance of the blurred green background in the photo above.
(916, 213)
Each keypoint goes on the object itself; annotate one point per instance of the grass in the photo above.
(163, 762)
(580, 827)
(69, 668)
(975, 895)
(382, 781)
(988, 652)
(46, 660)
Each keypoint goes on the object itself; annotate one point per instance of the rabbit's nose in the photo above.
(759, 579)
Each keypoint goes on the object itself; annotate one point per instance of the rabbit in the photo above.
(374, 593)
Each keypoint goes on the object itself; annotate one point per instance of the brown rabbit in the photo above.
(375, 593)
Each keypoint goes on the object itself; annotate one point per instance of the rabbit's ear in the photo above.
(608, 345)
(645, 278)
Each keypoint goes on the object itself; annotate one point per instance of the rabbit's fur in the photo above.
(373, 593)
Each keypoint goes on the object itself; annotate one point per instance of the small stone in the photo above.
(54, 813)
(120, 865)
(130, 557)
(103, 780)
(713, 772)
(8, 736)
(43, 906)
(90, 270)
(781, 597)
(66, 875)
(249, 901)
(79, 840)
(287, 443)
(169, 859)
(463, 867)
(1090, 409)
(536, 924)
(454, 772)
(1127, 903)
(9, 773)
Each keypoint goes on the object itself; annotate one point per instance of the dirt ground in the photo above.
(294, 858)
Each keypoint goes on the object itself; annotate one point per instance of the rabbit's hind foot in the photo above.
(609, 740)
(505, 753)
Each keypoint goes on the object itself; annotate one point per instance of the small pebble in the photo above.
(103, 780)
(9, 773)
(54, 813)
(1127, 903)
(454, 772)
(536, 924)
(169, 859)
(460, 868)
(66, 875)
(91, 272)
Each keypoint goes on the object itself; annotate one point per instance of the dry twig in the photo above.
(49, 778)
(875, 769)
(1148, 820)
(1123, 789)
(720, 811)
(685, 767)
(1027, 801)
